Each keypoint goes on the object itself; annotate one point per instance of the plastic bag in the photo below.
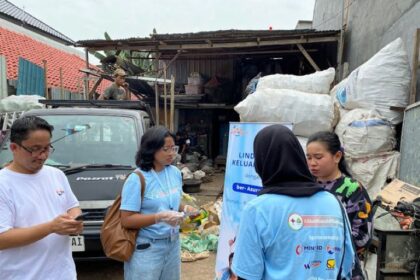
(373, 171)
(381, 82)
(308, 112)
(318, 82)
(252, 85)
(196, 243)
(19, 103)
(365, 132)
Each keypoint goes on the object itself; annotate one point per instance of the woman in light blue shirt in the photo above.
(157, 215)
(293, 229)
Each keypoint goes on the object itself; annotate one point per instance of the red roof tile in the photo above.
(14, 45)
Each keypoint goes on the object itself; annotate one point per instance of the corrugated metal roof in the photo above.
(16, 13)
(223, 34)
(215, 40)
(236, 34)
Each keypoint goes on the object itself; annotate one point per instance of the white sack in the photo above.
(186, 173)
(333, 94)
(19, 103)
(318, 82)
(365, 132)
(381, 82)
(308, 112)
(373, 171)
(303, 141)
(199, 174)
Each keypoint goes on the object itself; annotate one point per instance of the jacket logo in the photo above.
(295, 222)
(300, 249)
(313, 264)
(331, 249)
(331, 264)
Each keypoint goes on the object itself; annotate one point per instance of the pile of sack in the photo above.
(359, 108)
(303, 101)
(367, 121)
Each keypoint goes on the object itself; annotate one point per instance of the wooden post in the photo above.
(344, 19)
(172, 123)
(165, 100)
(156, 88)
(308, 57)
(86, 91)
(93, 90)
(47, 96)
(415, 67)
(61, 84)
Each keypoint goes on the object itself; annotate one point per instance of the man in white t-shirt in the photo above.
(37, 209)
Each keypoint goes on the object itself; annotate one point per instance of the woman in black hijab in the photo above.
(293, 229)
(281, 163)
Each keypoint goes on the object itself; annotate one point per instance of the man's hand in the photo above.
(18, 237)
(66, 225)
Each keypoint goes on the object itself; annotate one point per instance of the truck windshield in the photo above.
(83, 139)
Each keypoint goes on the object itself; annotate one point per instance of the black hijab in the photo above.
(281, 163)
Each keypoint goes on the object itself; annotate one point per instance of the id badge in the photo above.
(173, 234)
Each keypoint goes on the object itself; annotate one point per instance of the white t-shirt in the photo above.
(28, 200)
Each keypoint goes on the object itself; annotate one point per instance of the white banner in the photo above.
(242, 183)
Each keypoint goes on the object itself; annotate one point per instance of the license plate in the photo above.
(78, 243)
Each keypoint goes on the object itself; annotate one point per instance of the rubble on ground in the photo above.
(199, 235)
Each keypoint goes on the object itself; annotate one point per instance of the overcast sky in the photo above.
(89, 19)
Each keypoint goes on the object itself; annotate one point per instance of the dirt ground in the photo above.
(198, 270)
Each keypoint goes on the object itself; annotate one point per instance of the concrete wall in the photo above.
(327, 15)
(371, 25)
(304, 24)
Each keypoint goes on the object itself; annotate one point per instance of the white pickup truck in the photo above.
(95, 145)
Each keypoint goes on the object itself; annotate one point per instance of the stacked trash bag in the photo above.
(360, 109)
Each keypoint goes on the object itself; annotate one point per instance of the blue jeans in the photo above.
(159, 261)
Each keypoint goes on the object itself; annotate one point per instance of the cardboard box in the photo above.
(398, 190)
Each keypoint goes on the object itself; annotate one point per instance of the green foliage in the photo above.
(139, 59)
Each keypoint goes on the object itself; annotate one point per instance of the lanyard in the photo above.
(163, 188)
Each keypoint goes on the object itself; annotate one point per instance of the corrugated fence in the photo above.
(182, 69)
(31, 80)
(410, 146)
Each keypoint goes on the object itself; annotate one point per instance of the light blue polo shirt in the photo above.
(282, 237)
(163, 194)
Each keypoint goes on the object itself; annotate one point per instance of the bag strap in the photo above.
(356, 258)
(142, 182)
(343, 214)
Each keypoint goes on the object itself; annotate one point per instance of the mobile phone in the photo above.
(81, 216)
(143, 246)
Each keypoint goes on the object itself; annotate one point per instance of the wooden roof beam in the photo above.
(308, 57)
(255, 52)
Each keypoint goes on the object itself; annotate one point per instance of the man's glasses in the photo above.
(173, 149)
(36, 151)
